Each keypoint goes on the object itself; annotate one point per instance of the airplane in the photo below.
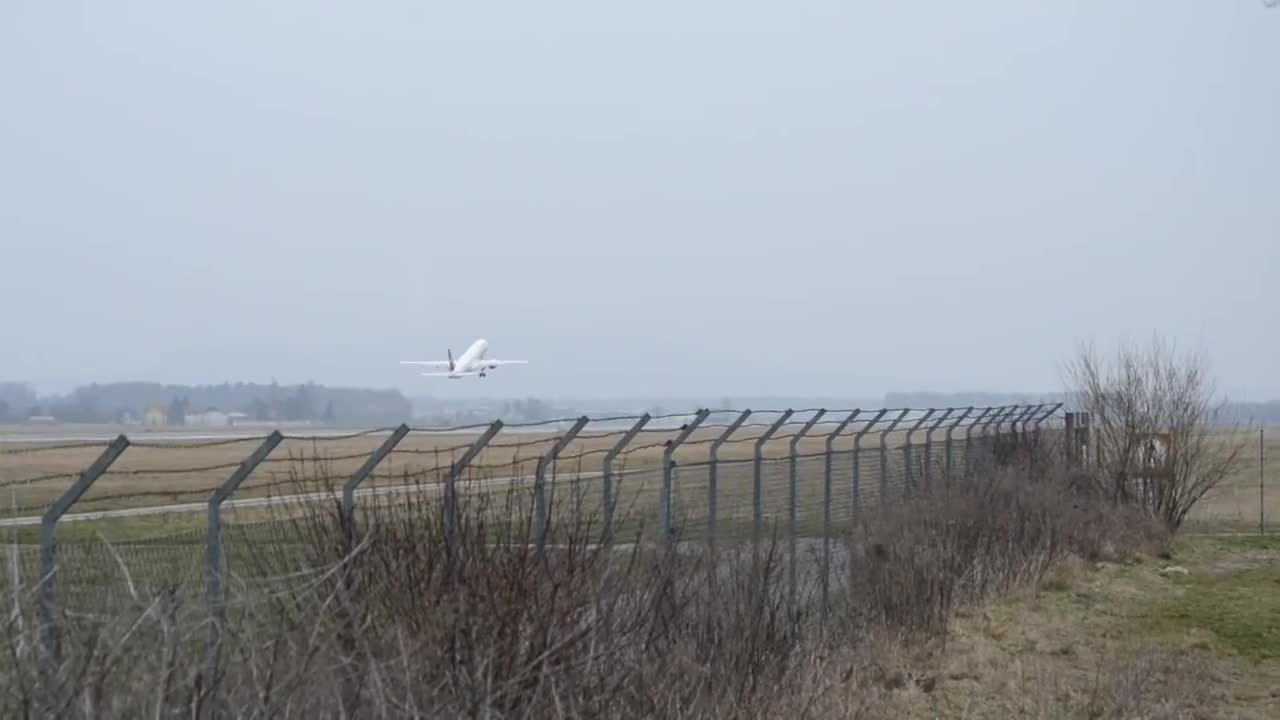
(470, 362)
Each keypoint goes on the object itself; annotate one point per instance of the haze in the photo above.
(703, 198)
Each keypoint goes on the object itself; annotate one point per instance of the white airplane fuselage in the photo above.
(471, 360)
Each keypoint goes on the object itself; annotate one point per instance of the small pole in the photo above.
(52, 632)
(359, 476)
(968, 440)
(909, 477)
(607, 477)
(855, 505)
(542, 507)
(605, 612)
(793, 500)
(884, 455)
(757, 487)
(668, 467)
(826, 506)
(451, 512)
(713, 480)
(214, 555)
(928, 445)
(951, 431)
(1262, 482)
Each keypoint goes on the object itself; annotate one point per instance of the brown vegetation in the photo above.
(396, 620)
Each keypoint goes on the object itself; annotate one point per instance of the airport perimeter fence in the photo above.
(257, 509)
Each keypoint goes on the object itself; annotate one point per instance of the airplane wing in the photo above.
(428, 363)
(496, 363)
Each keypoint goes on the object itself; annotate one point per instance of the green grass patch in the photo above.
(1241, 610)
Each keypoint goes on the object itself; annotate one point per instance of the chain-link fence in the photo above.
(232, 526)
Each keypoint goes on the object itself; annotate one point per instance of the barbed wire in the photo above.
(867, 422)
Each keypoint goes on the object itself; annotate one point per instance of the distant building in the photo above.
(155, 416)
(42, 420)
(211, 417)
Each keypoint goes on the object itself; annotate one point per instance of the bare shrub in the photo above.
(954, 545)
(397, 616)
(1160, 439)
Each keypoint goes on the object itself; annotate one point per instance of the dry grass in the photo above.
(164, 473)
(1235, 504)
(399, 622)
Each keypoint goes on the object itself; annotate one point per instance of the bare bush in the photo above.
(401, 616)
(1160, 439)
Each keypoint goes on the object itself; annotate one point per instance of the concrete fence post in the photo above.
(607, 488)
(908, 455)
(928, 445)
(969, 462)
(1069, 446)
(668, 468)
(989, 440)
(793, 501)
(826, 505)
(950, 445)
(884, 454)
(757, 483)
(1035, 427)
(542, 504)
(360, 475)
(452, 513)
(217, 592)
(51, 629)
(713, 481)
(855, 499)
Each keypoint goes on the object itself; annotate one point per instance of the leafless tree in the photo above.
(1161, 439)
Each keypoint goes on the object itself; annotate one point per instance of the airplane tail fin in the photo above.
(450, 351)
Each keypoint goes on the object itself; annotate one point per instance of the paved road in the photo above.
(258, 502)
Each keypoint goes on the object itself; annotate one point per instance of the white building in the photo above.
(212, 417)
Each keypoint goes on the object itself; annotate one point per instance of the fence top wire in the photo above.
(38, 447)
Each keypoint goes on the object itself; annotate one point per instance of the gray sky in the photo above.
(668, 197)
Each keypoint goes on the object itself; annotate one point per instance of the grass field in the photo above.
(162, 473)
(1118, 639)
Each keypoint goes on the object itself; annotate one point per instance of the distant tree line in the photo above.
(113, 402)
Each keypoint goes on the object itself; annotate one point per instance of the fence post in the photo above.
(214, 555)
(757, 486)
(359, 476)
(1069, 445)
(668, 466)
(605, 612)
(826, 506)
(998, 418)
(793, 500)
(1035, 423)
(909, 478)
(541, 507)
(855, 505)
(713, 480)
(451, 511)
(1020, 425)
(884, 454)
(607, 477)
(928, 445)
(968, 440)
(950, 447)
(51, 631)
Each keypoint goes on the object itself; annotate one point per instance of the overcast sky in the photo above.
(667, 197)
